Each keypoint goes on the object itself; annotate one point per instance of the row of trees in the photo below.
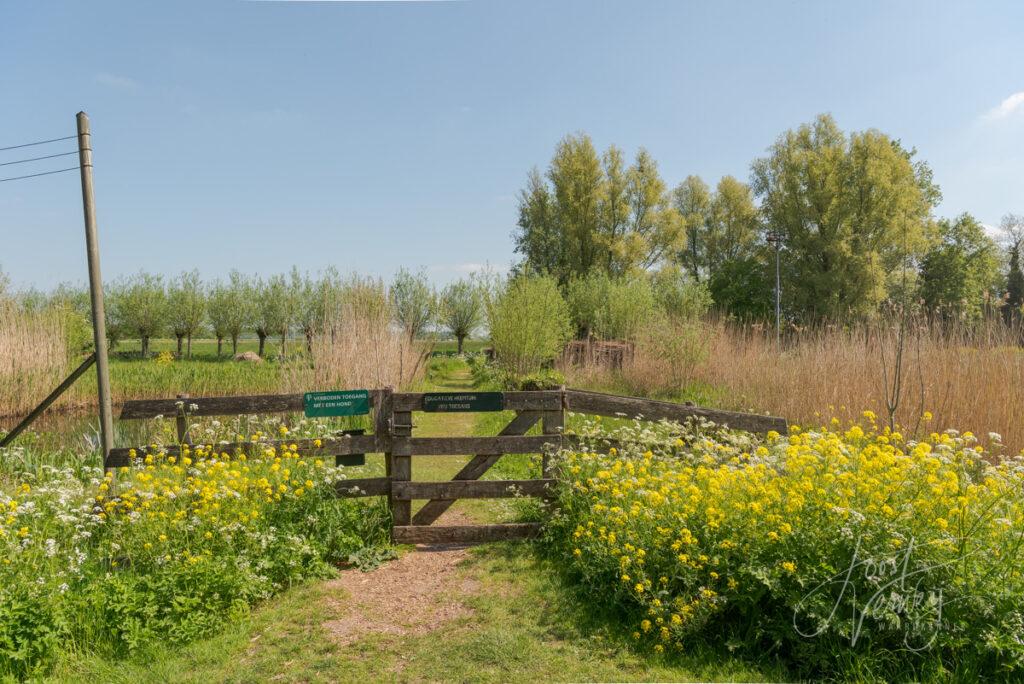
(851, 213)
(146, 306)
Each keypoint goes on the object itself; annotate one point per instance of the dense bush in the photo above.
(610, 308)
(529, 323)
(850, 553)
(165, 550)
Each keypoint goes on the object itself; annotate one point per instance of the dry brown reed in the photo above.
(360, 347)
(33, 356)
(966, 378)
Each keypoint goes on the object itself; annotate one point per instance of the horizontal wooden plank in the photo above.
(341, 446)
(220, 406)
(370, 486)
(649, 409)
(504, 444)
(546, 400)
(463, 534)
(471, 489)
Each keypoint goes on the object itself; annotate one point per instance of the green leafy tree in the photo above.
(733, 225)
(692, 199)
(461, 309)
(1014, 287)
(745, 287)
(1013, 306)
(141, 307)
(850, 209)
(529, 323)
(960, 271)
(230, 308)
(413, 302)
(593, 213)
(186, 305)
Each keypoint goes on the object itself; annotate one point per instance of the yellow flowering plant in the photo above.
(169, 547)
(833, 549)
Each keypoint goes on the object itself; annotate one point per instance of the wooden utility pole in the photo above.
(99, 325)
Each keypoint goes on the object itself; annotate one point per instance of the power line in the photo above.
(33, 175)
(41, 142)
(49, 156)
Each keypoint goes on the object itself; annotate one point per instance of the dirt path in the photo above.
(419, 592)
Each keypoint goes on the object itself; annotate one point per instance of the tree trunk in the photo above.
(234, 345)
(180, 339)
(309, 343)
(283, 338)
(145, 346)
(188, 346)
(219, 340)
(460, 338)
(263, 340)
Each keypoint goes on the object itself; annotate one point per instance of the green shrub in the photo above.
(529, 324)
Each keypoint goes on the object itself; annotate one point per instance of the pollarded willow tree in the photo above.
(413, 302)
(461, 309)
(140, 303)
(273, 311)
(186, 306)
(592, 212)
(230, 309)
(851, 210)
(314, 298)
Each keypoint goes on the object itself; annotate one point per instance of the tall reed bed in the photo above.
(358, 345)
(951, 376)
(33, 355)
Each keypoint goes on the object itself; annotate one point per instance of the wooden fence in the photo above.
(393, 436)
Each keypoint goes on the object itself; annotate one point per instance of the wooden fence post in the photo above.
(553, 423)
(400, 459)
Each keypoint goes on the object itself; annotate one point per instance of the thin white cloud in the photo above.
(113, 81)
(1005, 108)
(468, 267)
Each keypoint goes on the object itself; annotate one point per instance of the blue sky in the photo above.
(257, 135)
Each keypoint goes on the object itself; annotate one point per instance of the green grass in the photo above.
(524, 622)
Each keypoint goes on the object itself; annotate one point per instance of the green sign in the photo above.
(341, 403)
(463, 401)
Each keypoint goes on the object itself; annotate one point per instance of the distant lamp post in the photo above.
(774, 238)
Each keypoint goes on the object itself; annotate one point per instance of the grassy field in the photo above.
(204, 374)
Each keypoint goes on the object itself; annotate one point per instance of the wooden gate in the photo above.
(392, 435)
